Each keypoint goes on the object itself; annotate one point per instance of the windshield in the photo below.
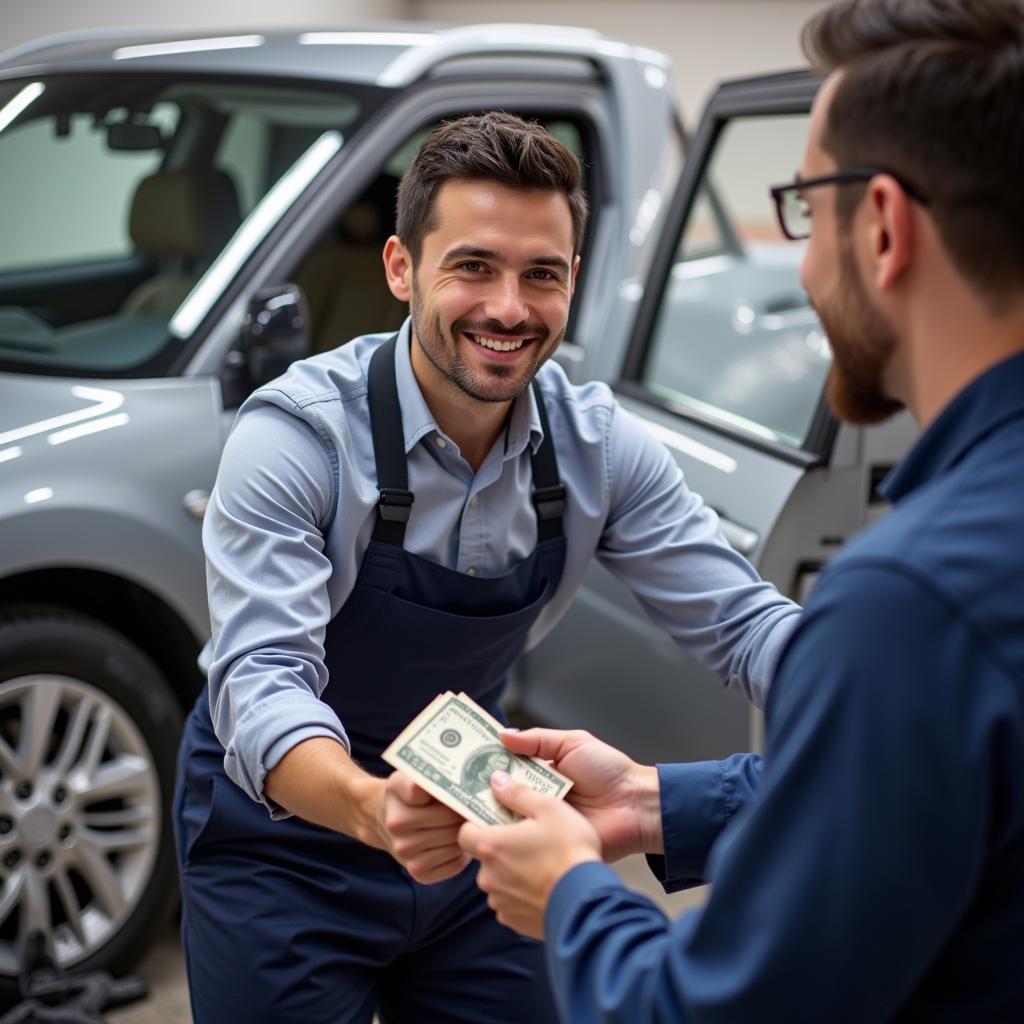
(129, 201)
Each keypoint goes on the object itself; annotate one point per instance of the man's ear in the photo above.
(398, 268)
(572, 276)
(890, 231)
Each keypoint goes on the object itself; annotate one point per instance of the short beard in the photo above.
(862, 347)
(451, 366)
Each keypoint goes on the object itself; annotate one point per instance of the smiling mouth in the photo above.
(498, 344)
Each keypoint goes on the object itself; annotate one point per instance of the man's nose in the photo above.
(506, 302)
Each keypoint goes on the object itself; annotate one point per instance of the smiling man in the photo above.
(873, 870)
(396, 518)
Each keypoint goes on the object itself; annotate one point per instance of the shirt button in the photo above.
(471, 571)
(442, 443)
(473, 501)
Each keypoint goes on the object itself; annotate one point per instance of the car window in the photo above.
(53, 217)
(131, 201)
(735, 341)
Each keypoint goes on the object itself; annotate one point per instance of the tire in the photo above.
(89, 729)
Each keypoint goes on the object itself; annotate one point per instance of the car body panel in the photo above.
(95, 475)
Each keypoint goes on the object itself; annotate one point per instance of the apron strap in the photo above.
(395, 503)
(548, 492)
(396, 499)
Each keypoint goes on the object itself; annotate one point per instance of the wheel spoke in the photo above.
(72, 909)
(38, 711)
(97, 871)
(35, 908)
(126, 839)
(9, 766)
(10, 894)
(97, 741)
(127, 775)
(73, 737)
(140, 814)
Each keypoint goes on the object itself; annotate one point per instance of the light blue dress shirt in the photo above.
(294, 506)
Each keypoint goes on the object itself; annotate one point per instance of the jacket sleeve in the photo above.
(697, 801)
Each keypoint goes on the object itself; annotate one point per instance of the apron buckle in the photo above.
(395, 505)
(549, 501)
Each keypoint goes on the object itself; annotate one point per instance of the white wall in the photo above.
(21, 20)
(708, 40)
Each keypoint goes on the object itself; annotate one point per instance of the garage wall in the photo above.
(708, 40)
(22, 20)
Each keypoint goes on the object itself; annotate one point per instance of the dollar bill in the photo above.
(451, 749)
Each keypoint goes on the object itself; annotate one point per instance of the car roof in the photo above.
(394, 54)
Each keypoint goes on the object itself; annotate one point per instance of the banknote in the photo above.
(451, 749)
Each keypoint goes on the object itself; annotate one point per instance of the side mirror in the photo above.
(274, 333)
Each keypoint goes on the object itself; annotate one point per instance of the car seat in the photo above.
(182, 219)
(344, 281)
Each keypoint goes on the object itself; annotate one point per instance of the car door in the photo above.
(726, 366)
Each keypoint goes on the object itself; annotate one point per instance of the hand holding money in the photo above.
(453, 747)
(420, 833)
(520, 864)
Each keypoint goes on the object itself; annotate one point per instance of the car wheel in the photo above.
(88, 737)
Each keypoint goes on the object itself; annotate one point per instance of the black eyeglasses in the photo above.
(791, 207)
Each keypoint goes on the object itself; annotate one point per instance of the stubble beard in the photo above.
(505, 383)
(862, 343)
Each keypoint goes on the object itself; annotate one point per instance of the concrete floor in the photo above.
(164, 970)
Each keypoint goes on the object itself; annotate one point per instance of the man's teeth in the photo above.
(496, 345)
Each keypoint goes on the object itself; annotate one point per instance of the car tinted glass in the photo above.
(735, 341)
(123, 194)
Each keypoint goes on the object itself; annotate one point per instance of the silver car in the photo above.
(183, 218)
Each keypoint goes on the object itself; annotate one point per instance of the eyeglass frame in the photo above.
(843, 177)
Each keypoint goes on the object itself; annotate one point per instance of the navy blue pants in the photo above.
(288, 923)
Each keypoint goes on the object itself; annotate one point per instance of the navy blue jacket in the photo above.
(873, 867)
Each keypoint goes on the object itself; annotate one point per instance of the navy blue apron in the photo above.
(289, 922)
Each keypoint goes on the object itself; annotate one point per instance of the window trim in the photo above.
(779, 95)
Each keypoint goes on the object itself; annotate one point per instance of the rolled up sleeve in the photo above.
(267, 576)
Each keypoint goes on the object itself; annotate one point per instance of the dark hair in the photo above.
(487, 147)
(933, 91)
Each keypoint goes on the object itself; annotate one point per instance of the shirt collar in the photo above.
(418, 421)
(985, 404)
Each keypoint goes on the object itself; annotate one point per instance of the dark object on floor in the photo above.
(51, 996)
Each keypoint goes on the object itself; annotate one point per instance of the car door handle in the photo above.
(195, 503)
(739, 537)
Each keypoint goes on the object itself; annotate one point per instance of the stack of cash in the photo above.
(451, 749)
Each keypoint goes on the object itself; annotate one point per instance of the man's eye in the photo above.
(473, 266)
(543, 275)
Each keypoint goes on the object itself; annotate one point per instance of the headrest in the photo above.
(190, 212)
(360, 224)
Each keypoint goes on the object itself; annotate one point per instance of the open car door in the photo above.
(726, 365)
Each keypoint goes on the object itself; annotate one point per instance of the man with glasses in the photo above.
(873, 867)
